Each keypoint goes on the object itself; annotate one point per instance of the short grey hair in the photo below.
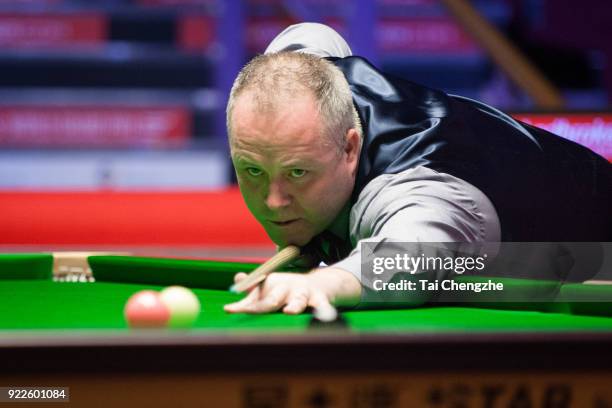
(285, 74)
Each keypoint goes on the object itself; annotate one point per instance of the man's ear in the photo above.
(352, 148)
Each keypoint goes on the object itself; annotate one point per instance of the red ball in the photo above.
(144, 309)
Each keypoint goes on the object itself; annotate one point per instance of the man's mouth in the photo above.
(284, 223)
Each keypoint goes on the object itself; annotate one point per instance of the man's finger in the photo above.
(297, 302)
(239, 276)
(319, 300)
(237, 307)
(269, 301)
(241, 305)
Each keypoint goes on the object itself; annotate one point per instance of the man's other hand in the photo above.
(294, 292)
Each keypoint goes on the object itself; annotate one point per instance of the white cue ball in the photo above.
(183, 304)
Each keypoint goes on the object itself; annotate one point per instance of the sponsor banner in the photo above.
(392, 35)
(530, 272)
(433, 35)
(177, 2)
(104, 127)
(52, 30)
(37, 2)
(440, 35)
(409, 2)
(311, 3)
(591, 130)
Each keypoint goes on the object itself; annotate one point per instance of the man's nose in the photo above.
(278, 197)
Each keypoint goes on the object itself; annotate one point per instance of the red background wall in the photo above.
(128, 218)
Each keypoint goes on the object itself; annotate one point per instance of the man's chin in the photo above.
(293, 240)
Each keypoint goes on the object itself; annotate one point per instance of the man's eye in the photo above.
(254, 171)
(297, 173)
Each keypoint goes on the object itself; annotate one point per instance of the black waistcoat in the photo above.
(544, 187)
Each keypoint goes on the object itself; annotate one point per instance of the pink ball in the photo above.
(144, 309)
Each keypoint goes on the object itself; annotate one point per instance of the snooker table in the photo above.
(72, 334)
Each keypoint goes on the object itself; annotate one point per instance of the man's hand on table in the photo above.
(294, 292)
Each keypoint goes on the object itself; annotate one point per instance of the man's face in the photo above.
(293, 180)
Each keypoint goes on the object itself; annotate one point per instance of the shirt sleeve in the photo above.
(419, 205)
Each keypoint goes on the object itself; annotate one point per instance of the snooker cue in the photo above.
(283, 257)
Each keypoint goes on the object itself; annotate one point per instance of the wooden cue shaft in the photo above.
(283, 257)
(506, 55)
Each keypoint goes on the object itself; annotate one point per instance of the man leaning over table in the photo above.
(330, 153)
